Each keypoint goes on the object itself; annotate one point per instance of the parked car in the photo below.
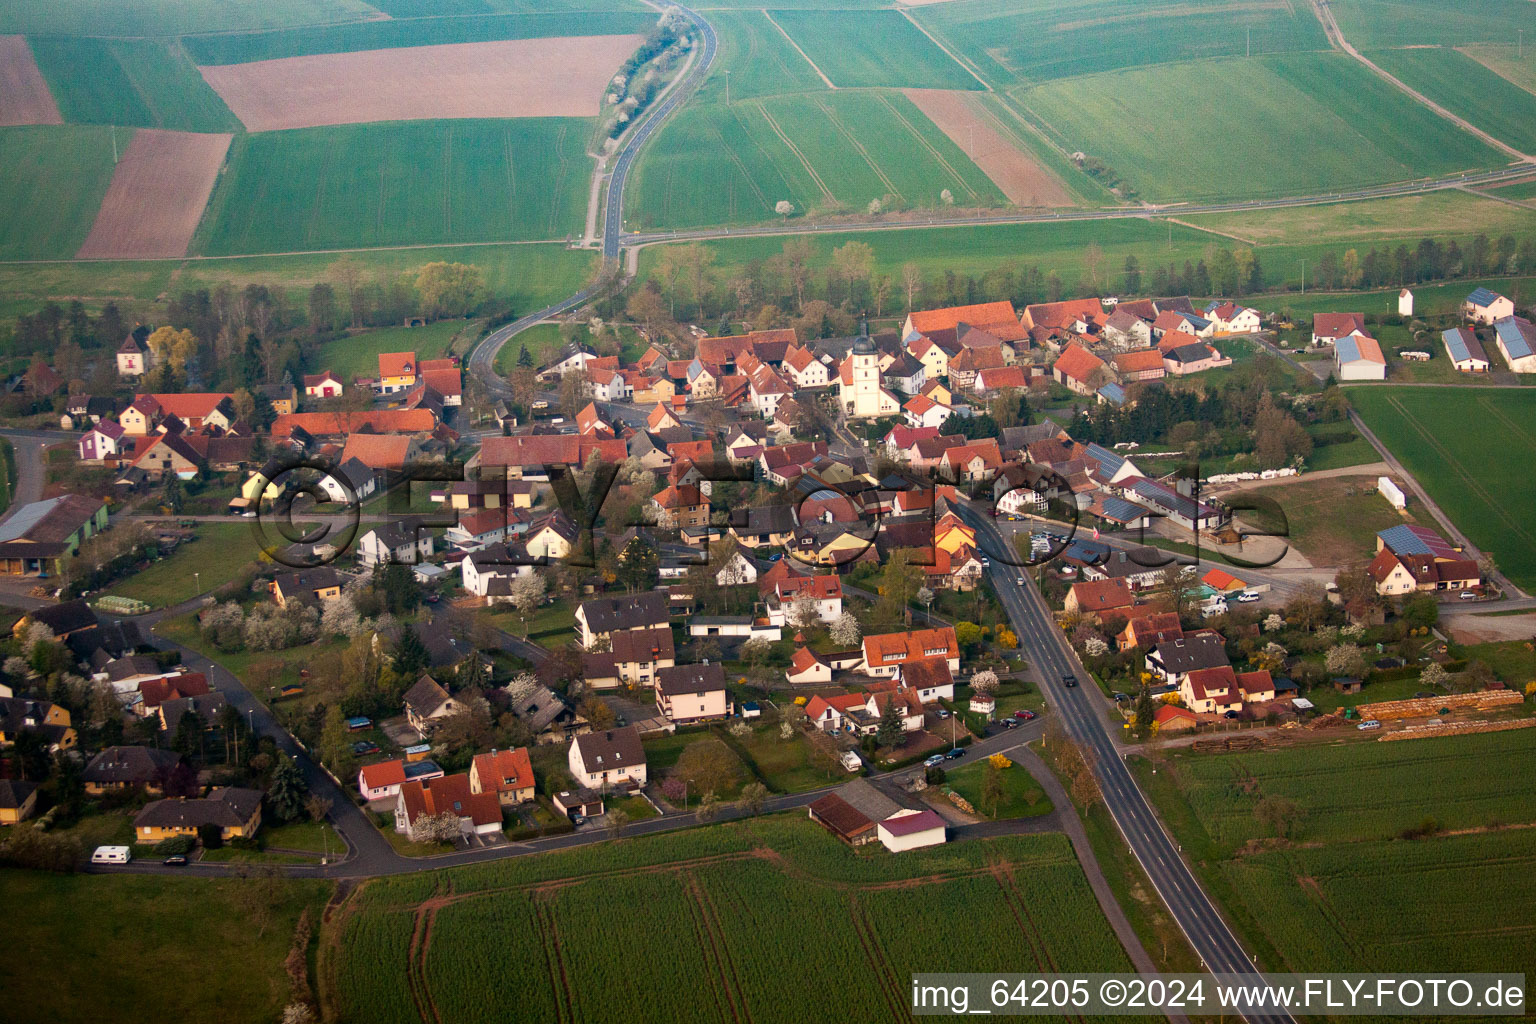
(1023, 716)
(362, 747)
(578, 820)
(1009, 723)
(1370, 723)
(1247, 597)
(1231, 714)
(941, 714)
(1467, 595)
(955, 754)
(176, 860)
(936, 759)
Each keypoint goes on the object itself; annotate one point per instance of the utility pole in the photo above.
(1248, 46)
(1303, 277)
(727, 87)
(114, 145)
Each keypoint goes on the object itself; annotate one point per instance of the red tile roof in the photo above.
(1141, 360)
(378, 451)
(504, 770)
(378, 421)
(1078, 363)
(1103, 595)
(385, 773)
(1337, 325)
(999, 318)
(894, 648)
(397, 364)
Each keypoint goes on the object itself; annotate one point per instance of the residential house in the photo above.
(489, 571)
(152, 693)
(1485, 307)
(43, 718)
(1211, 691)
(165, 454)
(506, 773)
(1108, 600)
(1142, 632)
(1124, 330)
(81, 411)
(736, 570)
(1079, 370)
(382, 781)
(1358, 357)
(1463, 348)
(678, 507)
(929, 678)
(906, 374)
(634, 659)
(133, 355)
(687, 694)
(611, 759)
(1140, 364)
(478, 813)
(397, 372)
(969, 363)
(884, 653)
(310, 586)
(351, 481)
(764, 526)
(18, 799)
(236, 812)
(976, 460)
(1229, 318)
(120, 768)
(926, 415)
(1516, 340)
(997, 318)
(101, 443)
(1197, 358)
(283, 398)
(425, 703)
(551, 536)
(1170, 660)
(807, 668)
(996, 380)
(1078, 316)
(1399, 573)
(817, 597)
(599, 619)
(802, 366)
(403, 541)
(1328, 328)
(381, 453)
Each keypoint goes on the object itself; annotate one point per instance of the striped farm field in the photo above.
(1022, 41)
(400, 183)
(1373, 24)
(163, 18)
(873, 48)
(757, 58)
(1510, 61)
(1325, 122)
(49, 213)
(534, 938)
(1468, 89)
(826, 151)
(144, 83)
(1469, 448)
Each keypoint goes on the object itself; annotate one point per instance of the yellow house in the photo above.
(950, 534)
(236, 812)
(310, 586)
(257, 486)
(135, 420)
(397, 372)
(18, 799)
(551, 537)
(52, 721)
(934, 359)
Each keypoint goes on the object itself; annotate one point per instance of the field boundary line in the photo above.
(905, 13)
(791, 39)
(763, 109)
(1465, 51)
(932, 150)
(1211, 231)
(1517, 203)
(1503, 417)
(858, 146)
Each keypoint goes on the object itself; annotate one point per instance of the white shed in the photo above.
(1405, 303)
(1393, 493)
(911, 830)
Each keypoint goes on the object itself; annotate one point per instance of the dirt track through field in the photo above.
(157, 195)
(24, 96)
(958, 115)
(556, 77)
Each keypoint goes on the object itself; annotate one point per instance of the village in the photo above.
(791, 575)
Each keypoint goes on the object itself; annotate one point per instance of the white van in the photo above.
(112, 855)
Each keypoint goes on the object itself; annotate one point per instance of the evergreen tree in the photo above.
(410, 652)
(890, 731)
(1144, 710)
(288, 791)
(524, 357)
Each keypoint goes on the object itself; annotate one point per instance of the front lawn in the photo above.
(216, 554)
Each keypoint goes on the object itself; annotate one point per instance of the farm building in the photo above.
(38, 537)
(1393, 493)
(911, 830)
(1516, 338)
(1405, 303)
(1484, 306)
(1358, 357)
(1465, 350)
(1328, 328)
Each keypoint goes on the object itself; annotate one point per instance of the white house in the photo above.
(1358, 357)
(395, 542)
(351, 481)
(1230, 318)
(823, 597)
(612, 759)
(322, 385)
(1465, 350)
(738, 570)
(909, 829)
(101, 442)
(133, 358)
(488, 573)
(1484, 306)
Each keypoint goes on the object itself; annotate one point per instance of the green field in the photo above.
(1468, 89)
(1519, 190)
(241, 48)
(757, 58)
(145, 83)
(1506, 60)
(535, 939)
(1466, 447)
(162, 18)
(86, 938)
(871, 48)
(1317, 121)
(1345, 892)
(219, 553)
(400, 183)
(358, 355)
(1021, 41)
(1442, 215)
(52, 180)
(829, 151)
(1372, 24)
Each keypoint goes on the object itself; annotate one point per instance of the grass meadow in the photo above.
(86, 937)
(144, 83)
(823, 151)
(52, 180)
(1468, 448)
(1468, 89)
(874, 48)
(1024, 41)
(1311, 122)
(520, 932)
(241, 48)
(1444, 214)
(1346, 893)
(358, 355)
(400, 183)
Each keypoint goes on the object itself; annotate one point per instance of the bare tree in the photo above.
(912, 281)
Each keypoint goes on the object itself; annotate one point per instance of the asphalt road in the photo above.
(28, 445)
(1082, 710)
